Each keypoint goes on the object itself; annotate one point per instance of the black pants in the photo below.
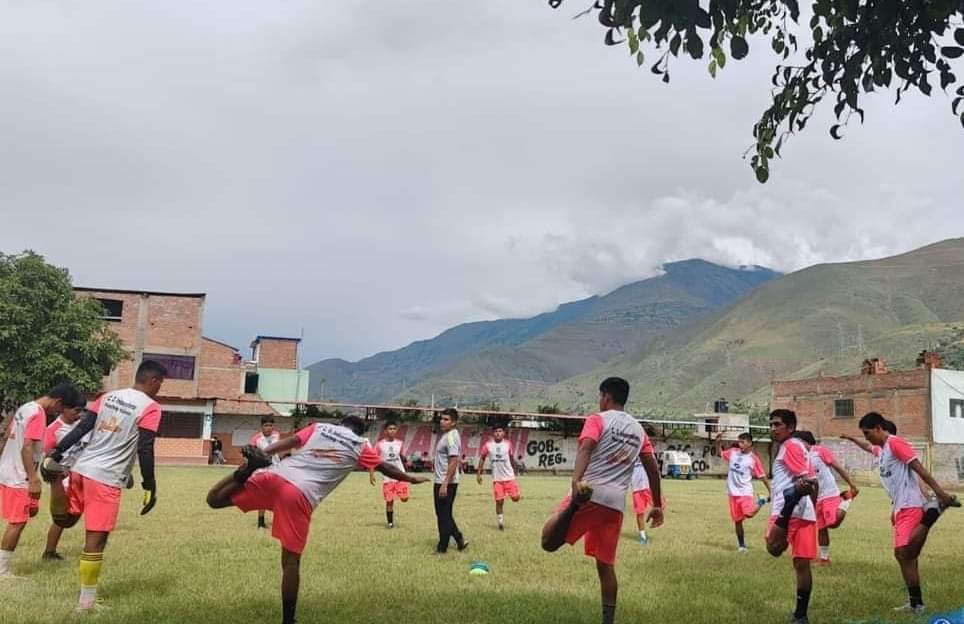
(447, 528)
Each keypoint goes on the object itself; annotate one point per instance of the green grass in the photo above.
(184, 563)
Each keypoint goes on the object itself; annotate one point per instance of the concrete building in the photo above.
(926, 403)
(210, 388)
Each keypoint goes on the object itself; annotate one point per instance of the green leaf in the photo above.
(712, 68)
(739, 47)
(640, 59)
(633, 43)
(694, 45)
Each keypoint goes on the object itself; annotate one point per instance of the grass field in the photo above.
(184, 563)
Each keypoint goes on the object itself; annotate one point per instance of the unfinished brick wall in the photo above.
(274, 353)
(221, 374)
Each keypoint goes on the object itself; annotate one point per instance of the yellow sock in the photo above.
(89, 573)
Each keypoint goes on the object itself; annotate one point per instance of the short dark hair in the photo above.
(68, 394)
(889, 427)
(617, 388)
(391, 423)
(356, 424)
(149, 369)
(872, 420)
(498, 426)
(267, 419)
(787, 417)
(746, 435)
(806, 436)
(452, 413)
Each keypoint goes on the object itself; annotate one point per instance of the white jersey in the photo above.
(619, 441)
(792, 460)
(500, 456)
(896, 476)
(640, 478)
(821, 458)
(26, 427)
(742, 467)
(326, 455)
(390, 453)
(56, 432)
(262, 442)
(109, 456)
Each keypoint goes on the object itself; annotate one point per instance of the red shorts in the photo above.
(904, 521)
(97, 502)
(17, 506)
(827, 511)
(642, 500)
(600, 526)
(742, 508)
(395, 489)
(801, 535)
(292, 511)
(501, 489)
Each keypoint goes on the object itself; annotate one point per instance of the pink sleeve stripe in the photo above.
(902, 449)
(305, 434)
(150, 418)
(36, 426)
(592, 429)
(369, 459)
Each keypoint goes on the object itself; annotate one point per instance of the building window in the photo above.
(113, 309)
(181, 426)
(843, 408)
(178, 366)
(251, 383)
(957, 408)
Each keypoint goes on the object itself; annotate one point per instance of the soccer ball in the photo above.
(478, 568)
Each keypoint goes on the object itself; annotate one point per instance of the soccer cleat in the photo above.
(51, 555)
(501, 527)
(760, 502)
(643, 540)
(907, 608)
(742, 549)
(91, 608)
(955, 502)
(256, 459)
(823, 562)
(391, 525)
(462, 546)
(795, 620)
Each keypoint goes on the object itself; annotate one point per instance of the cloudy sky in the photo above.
(376, 172)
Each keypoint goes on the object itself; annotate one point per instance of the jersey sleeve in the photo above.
(825, 455)
(795, 459)
(902, 449)
(876, 451)
(484, 451)
(726, 454)
(758, 470)
(50, 436)
(454, 443)
(150, 418)
(35, 428)
(305, 434)
(95, 406)
(592, 429)
(647, 448)
(369, 458)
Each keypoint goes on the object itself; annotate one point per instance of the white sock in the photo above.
(845, 505)
(5, 557)
(88, 596)
(642, 534)
(824, 552)
(501, 517)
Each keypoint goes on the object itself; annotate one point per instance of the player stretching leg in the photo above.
(262, 440)
(831, 506)
(56, 432)
(793, 521)
(390, 452)
(19, 482)
(503, 475)
(743, 466)
(609, 444)
(323, 456)
(911, 514)
(124, 423)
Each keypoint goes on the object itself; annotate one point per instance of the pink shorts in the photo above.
(292, 511)
(801, 535)
(827, 511)
(501, 489)
(904, 521)
(395, 489)
(742, 508)
(97, 502)
(17, 506)
(642, 500)
(600, 526)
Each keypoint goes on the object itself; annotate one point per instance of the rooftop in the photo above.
(139, 292)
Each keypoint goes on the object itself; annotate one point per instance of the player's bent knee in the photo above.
(404, 500)
(65, 521)
(516, 499)
(776, 549)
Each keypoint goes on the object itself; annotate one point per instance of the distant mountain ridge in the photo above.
(509, 358)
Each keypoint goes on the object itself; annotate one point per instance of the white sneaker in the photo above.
(89, 608)
(906, 608)
(742, 549)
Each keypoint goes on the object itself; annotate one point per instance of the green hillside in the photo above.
(825, 318)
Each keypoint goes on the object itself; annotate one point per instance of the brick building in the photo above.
(210, 389)
(922, 402)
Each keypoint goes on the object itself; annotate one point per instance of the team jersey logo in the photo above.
(110, 425)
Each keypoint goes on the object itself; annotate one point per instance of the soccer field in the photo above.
(186, 563)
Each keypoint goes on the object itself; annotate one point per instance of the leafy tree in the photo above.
(854, 47)
(47, 334)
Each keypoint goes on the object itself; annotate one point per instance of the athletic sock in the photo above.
(825, 552)
(642, 535)
(845, 504)
(609, 614)
(5, 557)
(90, 564)
(500, 517)
(916, 599)
(741, 542)
(288, 610)
(390, 516)
(803, 603)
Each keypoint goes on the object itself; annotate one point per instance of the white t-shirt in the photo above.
(619, 441)
(26, 427)
(57, 431)
(640, 478)
(262, 442)
(742, 468)
(109, 455)
(325, 456)
(390, 452)
(821, 458)
(500, 456)
(793, 460)
(896, 476)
